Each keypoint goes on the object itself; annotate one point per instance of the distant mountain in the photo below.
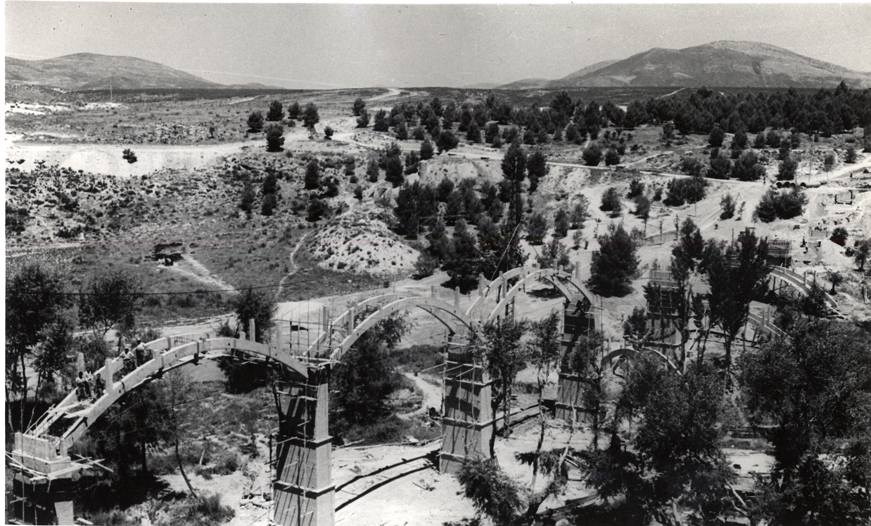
(583, 72)
(250, 85)
(86, 71)
(482, 85)
(723, 64)
(526, 84)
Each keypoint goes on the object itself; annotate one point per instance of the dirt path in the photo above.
(391, 92)
(293, 267)
(195, 270)
(432, 396)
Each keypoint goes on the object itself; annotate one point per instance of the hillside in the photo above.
(583, 72)
(721, 64)
(84, 71)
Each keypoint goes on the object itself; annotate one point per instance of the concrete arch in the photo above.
(620, 353)
(167, 354)
(442, 311)
(799, 283)
(557, 277)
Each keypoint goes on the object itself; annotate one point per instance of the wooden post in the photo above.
(252, 333)
(457, 297)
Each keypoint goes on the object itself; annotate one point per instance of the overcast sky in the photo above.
(353, 45)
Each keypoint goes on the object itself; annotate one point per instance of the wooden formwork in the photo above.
(467, 422)
(303, 489)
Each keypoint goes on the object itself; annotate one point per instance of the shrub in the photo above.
(536, 228)
(317, 209)
(839, 235)
(636, 188)
(425, 266)
(784, 205)
(611, 201)
(274, 138)
(592, 155)
(255, 121)
(684, 190)
(786, 169)
(850, 156)
(727, 203)
(269, 204)
(747, 167)
(691, 165)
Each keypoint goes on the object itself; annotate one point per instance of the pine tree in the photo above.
(312, 175)
(614, 264)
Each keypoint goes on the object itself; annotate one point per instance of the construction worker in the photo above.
(99, 387)
(83, 389)
(128, 358)
(139, 351)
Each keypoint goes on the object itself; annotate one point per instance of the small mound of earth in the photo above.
(361, 243)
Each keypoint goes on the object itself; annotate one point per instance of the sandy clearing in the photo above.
(34, 109)
(107, 158)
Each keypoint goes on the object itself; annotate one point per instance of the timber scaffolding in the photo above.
(468, 422)
(578, 321)
(662, 301)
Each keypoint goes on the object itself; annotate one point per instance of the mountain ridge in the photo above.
(92, 71)
(724, 63)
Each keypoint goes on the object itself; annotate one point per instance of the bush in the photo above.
(747, 167)
(839, 235)
(612, 157)
(683, 190)
(274, 138)
(317, 209)
(850, 156)
(691, 165)
(536, 228)
(636, 188)
(611, 202)
(269, 204)
(592, 155)
(728, 206)
(255, 121)
(786, 169)
(425, 266)
(784, 205)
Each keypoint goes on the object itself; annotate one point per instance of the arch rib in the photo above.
(624, 352)
(552, 275)
(159, 363)
(428, 304)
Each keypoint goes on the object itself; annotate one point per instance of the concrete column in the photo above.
(467, 423)
(570, 404)
(108, 375)
(303, 491)
(252, 333)
(457, 297)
